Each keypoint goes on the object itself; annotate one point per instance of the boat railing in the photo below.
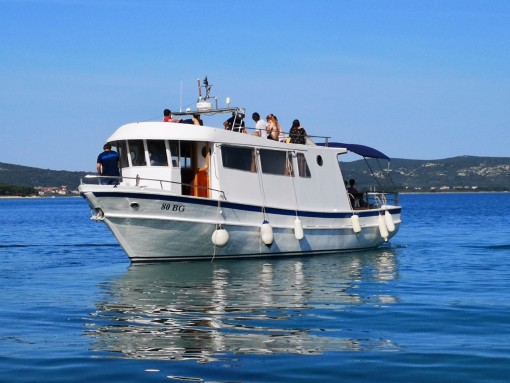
(380, 199)
(285, 135)
(139, 180)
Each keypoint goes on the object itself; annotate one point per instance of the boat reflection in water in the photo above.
(204, 310)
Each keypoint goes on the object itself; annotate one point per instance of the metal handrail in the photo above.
(138, 179)
(382, 198)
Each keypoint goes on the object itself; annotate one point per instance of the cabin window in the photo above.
(157, 152)
(303, 169)
(276, 162)
(123, 153)
(234, 157)
(319, 160)
(137, 153)
(174, 153)
(185, 158)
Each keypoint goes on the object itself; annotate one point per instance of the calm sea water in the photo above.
(432, 306)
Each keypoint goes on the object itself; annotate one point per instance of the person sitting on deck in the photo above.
(297, 134)
(235, 123)
(196, 120)
(167, 116)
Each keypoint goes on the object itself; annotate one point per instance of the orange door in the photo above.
(202, 183)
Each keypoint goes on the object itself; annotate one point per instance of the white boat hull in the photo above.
(160, 226)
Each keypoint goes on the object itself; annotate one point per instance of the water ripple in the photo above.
(202, 310)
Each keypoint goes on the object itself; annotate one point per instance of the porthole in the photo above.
(319, 160)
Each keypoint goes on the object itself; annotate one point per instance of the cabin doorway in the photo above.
(195, 157)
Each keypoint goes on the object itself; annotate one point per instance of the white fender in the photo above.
(298, 229)
(356, 227)
(220, 237)
(388, 219)
(383, 230)
(266, 233)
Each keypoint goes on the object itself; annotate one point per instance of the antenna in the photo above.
(203, 104)
(180, 101)
(207, 88)
(200, 89)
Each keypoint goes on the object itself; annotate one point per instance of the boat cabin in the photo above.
(207, 162)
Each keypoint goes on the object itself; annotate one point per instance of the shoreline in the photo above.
(400, 193)
(457, 192)
(37, 196)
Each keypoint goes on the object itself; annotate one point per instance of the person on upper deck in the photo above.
(167, 116)
(108, 165)
(274, 129)
(297, 133)
(235, 123)
(260, 126)
(196, 120)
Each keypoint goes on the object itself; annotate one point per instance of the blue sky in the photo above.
(415, 79)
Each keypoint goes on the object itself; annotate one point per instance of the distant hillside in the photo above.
(35, 177)
(458, 173)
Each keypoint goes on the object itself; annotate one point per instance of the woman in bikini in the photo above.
(274, 129)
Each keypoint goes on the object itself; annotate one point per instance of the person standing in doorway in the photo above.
(108, 165)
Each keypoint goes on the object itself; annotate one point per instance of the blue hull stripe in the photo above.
(237, 206)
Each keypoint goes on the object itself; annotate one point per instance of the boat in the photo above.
(215, 193)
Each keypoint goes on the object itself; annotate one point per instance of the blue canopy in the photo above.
(361, 150)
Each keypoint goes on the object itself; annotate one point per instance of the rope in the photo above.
(289, 169)
(371, 171)
(261, 187)
(218, 225)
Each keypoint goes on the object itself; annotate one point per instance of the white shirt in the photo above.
(261, 128)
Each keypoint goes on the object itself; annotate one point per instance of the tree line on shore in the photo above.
(16, 191)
